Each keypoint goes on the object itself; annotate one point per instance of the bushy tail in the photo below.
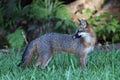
(28, 53)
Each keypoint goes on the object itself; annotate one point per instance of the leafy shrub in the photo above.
(42, 15)
(16, 39)
(50, 12)
(106, 27)
(50, 16)
(64, 26)
(11, 13)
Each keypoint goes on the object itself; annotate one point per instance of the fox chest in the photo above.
(89, 49)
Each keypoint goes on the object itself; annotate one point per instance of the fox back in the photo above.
(58, 42)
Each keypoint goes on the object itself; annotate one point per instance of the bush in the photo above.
(106, 30)
(52, 15)
(41, 15)
(16, 39)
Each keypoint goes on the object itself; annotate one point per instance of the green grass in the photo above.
(101, 66)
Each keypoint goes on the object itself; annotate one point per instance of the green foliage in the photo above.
(53, 15)
(64, 26)
(47, 9)
(38, 9)
(63, 13)
(47, 15)
(16, 39)
(106, 30)
(11, 13)
(88, 12)
(101, 66)
(53, 12)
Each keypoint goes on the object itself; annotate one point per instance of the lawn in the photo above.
(101, 66)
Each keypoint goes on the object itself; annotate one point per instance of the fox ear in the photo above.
(83, 23)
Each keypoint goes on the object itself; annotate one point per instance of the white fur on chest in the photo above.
(89, 49)
(86, 36)
(87, 39)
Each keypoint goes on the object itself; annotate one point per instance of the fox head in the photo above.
(82, 30)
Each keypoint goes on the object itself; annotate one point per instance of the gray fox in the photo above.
(80, 43)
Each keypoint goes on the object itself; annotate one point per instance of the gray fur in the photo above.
(83, 23)
(52, 42)
(47, 44)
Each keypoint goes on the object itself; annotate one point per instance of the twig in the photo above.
(24, 38)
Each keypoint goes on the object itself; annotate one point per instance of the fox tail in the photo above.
(28, 53)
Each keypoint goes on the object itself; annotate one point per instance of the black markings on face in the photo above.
(80, 29)
(76, 35)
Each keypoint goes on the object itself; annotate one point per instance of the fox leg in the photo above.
(45, 60)
(27, 57)
(38, 61)
(28, 54)
(83, 60)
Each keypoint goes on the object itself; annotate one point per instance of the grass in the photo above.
(101, 66)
